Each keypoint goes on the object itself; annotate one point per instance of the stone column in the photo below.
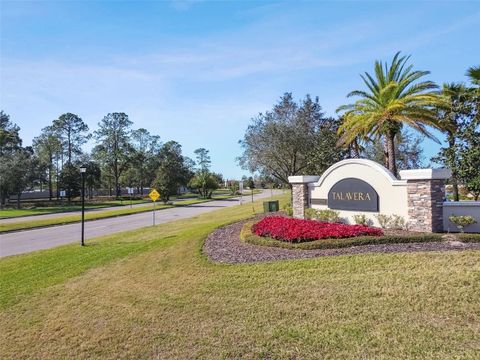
(299, 199)
(300, 194)
(426, 193)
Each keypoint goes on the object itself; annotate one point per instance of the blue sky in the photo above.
(197, 71)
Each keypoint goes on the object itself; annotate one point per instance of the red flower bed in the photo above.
(298, 230)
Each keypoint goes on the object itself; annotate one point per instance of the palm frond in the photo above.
(395, 96)
(474, 74)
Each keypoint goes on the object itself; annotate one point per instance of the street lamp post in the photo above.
(83, 170)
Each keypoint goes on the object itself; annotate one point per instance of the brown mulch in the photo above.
(224, 246)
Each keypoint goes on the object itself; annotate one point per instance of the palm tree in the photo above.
(394, 98)
(474, 74)
(451, 118)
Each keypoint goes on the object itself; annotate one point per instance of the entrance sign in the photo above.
(154, 195)
(353, 194)
(354, 187)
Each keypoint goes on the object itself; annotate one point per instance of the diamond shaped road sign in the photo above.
(154, 195)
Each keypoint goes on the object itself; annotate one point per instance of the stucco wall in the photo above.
(461, 208)
(392, 192)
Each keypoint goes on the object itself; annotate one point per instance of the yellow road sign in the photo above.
(154, 195)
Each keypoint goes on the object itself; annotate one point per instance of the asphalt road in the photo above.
(73, 213)
(45, 238)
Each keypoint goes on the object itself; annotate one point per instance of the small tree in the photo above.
(469, 168)
(15, 160)
(251, 185)
(461, 222)
(233, 187)
(203, 159)
(291, 139)
(114, 148)
(204, 183)
(93, 177)
(70, 180)
(172, 172)
(46, 146)
(14, 172)
(454, 118)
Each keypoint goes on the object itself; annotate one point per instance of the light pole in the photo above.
(83, 170)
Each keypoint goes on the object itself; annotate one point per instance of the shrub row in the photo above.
(248, 236)
(469, 238)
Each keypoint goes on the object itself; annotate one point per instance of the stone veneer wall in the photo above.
(300, 200)
(425, 204)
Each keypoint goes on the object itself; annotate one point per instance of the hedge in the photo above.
(248, 236)
(469, 238)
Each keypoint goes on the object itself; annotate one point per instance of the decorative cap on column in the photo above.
(300, 193)
(425, 196)
(425, 174)
(303, 179)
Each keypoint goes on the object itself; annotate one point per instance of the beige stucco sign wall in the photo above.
(417, 196)
(392, 193)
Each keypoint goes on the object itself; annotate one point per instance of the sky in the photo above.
(197, 71)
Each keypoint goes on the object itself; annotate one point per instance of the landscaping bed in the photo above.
(297, 230)
(237, 243)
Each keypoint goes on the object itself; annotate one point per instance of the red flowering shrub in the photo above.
(298, 230)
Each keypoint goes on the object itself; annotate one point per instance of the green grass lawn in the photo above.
(32, 210)
(42, 210)
(151, 293)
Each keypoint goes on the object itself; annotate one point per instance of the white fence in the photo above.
(471, 208)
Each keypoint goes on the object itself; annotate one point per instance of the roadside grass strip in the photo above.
(151, 293)
(13, 213)
(44, 210)
(10, 213)
(97, 215)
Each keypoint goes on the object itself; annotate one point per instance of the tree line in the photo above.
(393, 113)
(121, 157)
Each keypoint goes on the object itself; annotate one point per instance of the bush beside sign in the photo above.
(353, 194)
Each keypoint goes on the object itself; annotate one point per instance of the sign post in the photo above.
(130, 192)
(240, 188)
(154, 195)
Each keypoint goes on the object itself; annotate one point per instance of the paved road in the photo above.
(45, 238)
(70, 213)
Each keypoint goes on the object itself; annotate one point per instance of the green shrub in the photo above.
(287, 207)
(397, 222)
(383, 220)
(391, 222)
(361, 220)
(469, 238)
(310, 213)
(327, 215)
(248, 236)
(462, 221)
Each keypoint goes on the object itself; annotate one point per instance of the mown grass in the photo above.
(67, 219)
(152, 294)
(43, 210)
(32, 210)
(24, 274)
